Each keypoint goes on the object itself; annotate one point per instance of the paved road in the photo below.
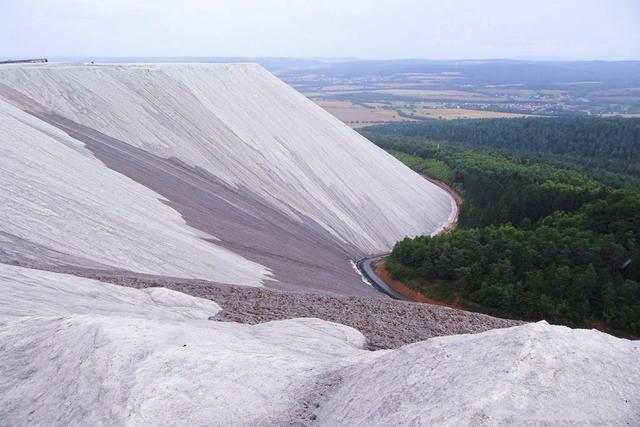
(365, 266)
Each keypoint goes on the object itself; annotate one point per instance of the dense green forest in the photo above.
(592, 144)
(537, 239)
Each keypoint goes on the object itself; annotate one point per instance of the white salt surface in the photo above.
(56, 194)
(76, 351)
(243, 125)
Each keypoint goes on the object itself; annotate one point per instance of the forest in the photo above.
(605, 146)
(537, 238)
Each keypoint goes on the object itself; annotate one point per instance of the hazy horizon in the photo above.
(358, 29)
(169, 58)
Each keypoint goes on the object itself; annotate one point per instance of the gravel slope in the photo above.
(386, 323)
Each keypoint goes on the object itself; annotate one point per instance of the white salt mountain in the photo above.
(223, 173)
(79, 352)
(206, 171)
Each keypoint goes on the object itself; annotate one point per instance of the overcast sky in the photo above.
(441, 29)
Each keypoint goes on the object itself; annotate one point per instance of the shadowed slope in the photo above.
(243, 158)
(299, 253)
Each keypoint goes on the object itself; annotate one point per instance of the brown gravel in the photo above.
(386, 323)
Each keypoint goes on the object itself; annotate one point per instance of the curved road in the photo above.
(366, 266)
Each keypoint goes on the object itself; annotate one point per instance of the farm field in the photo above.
(358, 115)
(362, 93)
(362, 115)
(464, 113)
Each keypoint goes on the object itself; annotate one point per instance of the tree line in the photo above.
(594, 143)
(537, 239)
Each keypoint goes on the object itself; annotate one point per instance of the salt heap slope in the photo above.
(278, 186)
(77, 351)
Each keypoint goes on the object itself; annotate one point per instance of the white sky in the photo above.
(520, 29)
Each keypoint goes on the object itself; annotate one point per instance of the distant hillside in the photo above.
(531, 74)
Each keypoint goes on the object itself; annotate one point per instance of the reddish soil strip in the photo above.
(400, 287)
